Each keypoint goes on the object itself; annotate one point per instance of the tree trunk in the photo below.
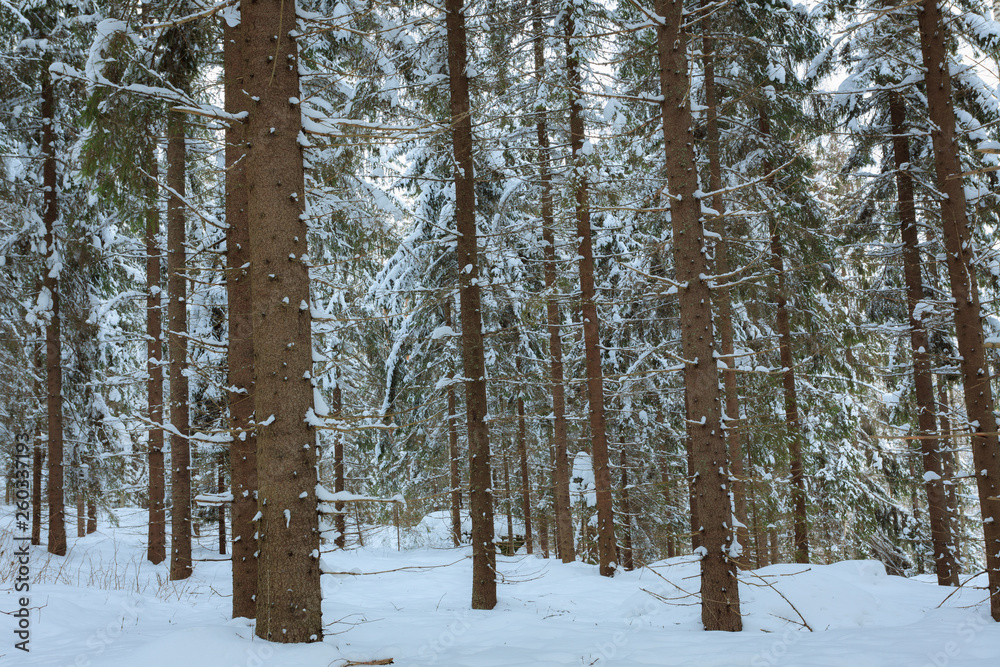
(454, 475)
(772, 536)
(720, 602)
(522, 447)
(243, 447)
(91, 516)
(560, 469)
(222, 506)
(964, 289)
(509, 497)
(941, 542)
(724, 300)
(288, 580)
(156, 550)
(340, 518)
(53, 342)
(949, 465)
(180, 446)
(588, 297)
(81, 503)
(793, 428)
(38, 459)
(484, 586)
(628, 562)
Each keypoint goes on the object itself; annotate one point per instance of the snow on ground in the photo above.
(105, 605)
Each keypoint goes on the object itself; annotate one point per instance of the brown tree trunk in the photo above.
(964, 289)
(724, 301)
(772, 536)
(156, 550)
(628, 561)
(522, 448)
(81, 503)
(38, 459)
(793, 428)
(720, 602)
(243, 448)
(941, 543)
(509, 497)
(560, 469)
(222, 506)
(453, 471)
(288, 579)
(484, 586)
(949, 465)
(53, 342)
(180, 446)
(588, 304)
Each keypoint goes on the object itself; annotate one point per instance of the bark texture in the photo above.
(944, 557)
(958, 243)
(724, 297)
(340, 518)
(53, 341)
(560, 469)
(588, 306)
(484, 587)
(156, 549)
(720, 603)
(180, 446)
(288, 579)
(243, 448)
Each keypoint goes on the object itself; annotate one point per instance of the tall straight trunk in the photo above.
(522, 450)
(81, 503)
(156, 550)
(221, 488)
(793, 427)
(724, 298)
(454, 476)
(288, 579)
(243, 447)
(509, 497)
(38, 459)
(772, 536)
(949, 465)
(628, 561)
(484, 586)
(340, 518)
(588, 305)
(180, 446)
(53, 341)
(958, 243)
(560, 469)
(944, 557)
(720, 602)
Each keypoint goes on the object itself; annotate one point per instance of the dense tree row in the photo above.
(604, 281)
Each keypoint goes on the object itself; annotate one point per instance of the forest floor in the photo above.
(104, 604)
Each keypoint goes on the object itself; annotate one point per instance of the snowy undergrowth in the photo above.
(103, 604)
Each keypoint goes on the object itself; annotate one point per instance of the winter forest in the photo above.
(492, 332)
